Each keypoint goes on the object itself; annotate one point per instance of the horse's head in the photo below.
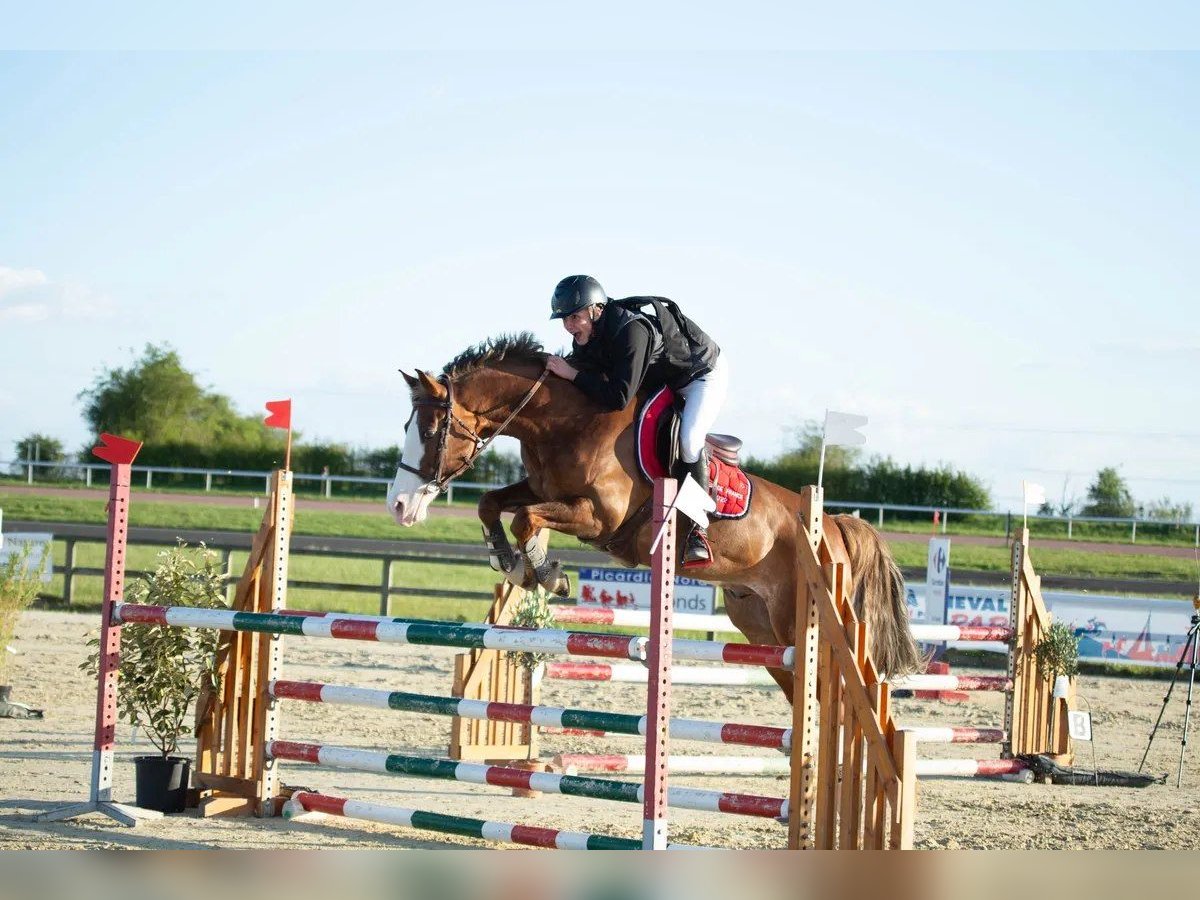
(438, 444)
(456, 415)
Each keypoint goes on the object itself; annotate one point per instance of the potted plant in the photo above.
(163, 669)
(20, 581)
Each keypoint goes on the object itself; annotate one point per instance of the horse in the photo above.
(582, 480)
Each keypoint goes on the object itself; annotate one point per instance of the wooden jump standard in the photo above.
(237, 740)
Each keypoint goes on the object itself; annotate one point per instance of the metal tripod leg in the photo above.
(1189, 646)
(1187, 709)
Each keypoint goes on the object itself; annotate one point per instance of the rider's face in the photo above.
(580, 324)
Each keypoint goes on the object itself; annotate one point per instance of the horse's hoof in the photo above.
(522, 575)
(557, 581)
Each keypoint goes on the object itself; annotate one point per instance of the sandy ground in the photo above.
(46, 763)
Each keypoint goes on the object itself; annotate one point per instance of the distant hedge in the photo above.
(878, 481)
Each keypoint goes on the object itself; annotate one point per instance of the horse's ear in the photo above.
(411, 380)
(430, 384)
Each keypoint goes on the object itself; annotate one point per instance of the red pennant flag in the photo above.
(280, 414)
(117, 450)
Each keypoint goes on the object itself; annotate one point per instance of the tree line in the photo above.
(181, 423)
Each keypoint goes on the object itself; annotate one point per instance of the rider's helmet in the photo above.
(574, 293)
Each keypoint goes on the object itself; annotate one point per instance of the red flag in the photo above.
(280, 414)
(116, 449)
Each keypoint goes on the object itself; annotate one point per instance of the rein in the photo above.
(481, 444)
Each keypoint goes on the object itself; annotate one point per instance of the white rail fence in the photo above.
(83, 472)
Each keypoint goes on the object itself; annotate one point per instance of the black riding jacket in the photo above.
(624, 354)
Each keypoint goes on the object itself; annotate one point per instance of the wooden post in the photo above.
(494, 676)
(1016, 609)
(69, 571)
(233, 726)
(802, 795)
(385, 588)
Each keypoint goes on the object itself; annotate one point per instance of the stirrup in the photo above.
(697, 551)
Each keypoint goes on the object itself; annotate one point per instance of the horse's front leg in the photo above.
(574, 517)
(500, 552)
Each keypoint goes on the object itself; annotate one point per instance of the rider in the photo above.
(618, 349)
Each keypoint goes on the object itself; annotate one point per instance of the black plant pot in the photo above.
(5, 692)
(162, 782)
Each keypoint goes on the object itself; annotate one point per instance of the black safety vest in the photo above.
(687, 352)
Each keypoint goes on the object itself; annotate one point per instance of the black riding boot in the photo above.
(697, 552)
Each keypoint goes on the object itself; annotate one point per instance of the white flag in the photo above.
(1035, 494)
(694, 502)
(841, 429)
(691, 500)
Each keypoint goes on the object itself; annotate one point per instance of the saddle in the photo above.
(657, 451)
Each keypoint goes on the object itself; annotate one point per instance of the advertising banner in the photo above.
(1148, 631)
(630, 589)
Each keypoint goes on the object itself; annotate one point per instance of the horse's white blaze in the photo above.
(409, 496)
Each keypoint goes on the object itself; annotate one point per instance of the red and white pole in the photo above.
(120, 452)
(658, 663)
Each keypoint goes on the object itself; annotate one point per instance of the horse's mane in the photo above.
(521, 347)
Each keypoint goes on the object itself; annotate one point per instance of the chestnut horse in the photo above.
(583, 481)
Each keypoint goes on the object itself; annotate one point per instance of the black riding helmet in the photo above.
(574, 293)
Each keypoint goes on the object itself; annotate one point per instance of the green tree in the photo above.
(1166, 510)
(498, 467)
(1067, 504)
(880, 480)
(805, 448)
(1109, 495)
(39, 447)
(159, 402)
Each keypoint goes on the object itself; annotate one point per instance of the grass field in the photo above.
(373, 523)
(1160, 533)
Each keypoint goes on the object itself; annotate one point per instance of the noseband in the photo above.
(440, 480)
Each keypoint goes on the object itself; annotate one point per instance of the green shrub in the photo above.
(163, 668)
(1059, 650)
(19, 586)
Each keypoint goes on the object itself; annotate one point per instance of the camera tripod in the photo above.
(1192, 647)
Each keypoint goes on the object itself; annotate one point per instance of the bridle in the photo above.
(440, 480)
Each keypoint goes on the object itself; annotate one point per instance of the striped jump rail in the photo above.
(952, 683)
(999, 634)
(634, 764)
(928, 734)
(719, 624)
(501, 832)
(522, 779)
(625, 673)
(441, 634)
(586, 720)
(633, 674)
(639, 618)
(969, 768)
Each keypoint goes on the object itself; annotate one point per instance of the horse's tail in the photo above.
(879, 599)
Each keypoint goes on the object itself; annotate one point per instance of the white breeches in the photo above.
(702, 401)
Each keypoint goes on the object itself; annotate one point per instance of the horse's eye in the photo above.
(429, 434)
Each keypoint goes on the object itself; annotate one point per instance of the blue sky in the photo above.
(991, 254)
